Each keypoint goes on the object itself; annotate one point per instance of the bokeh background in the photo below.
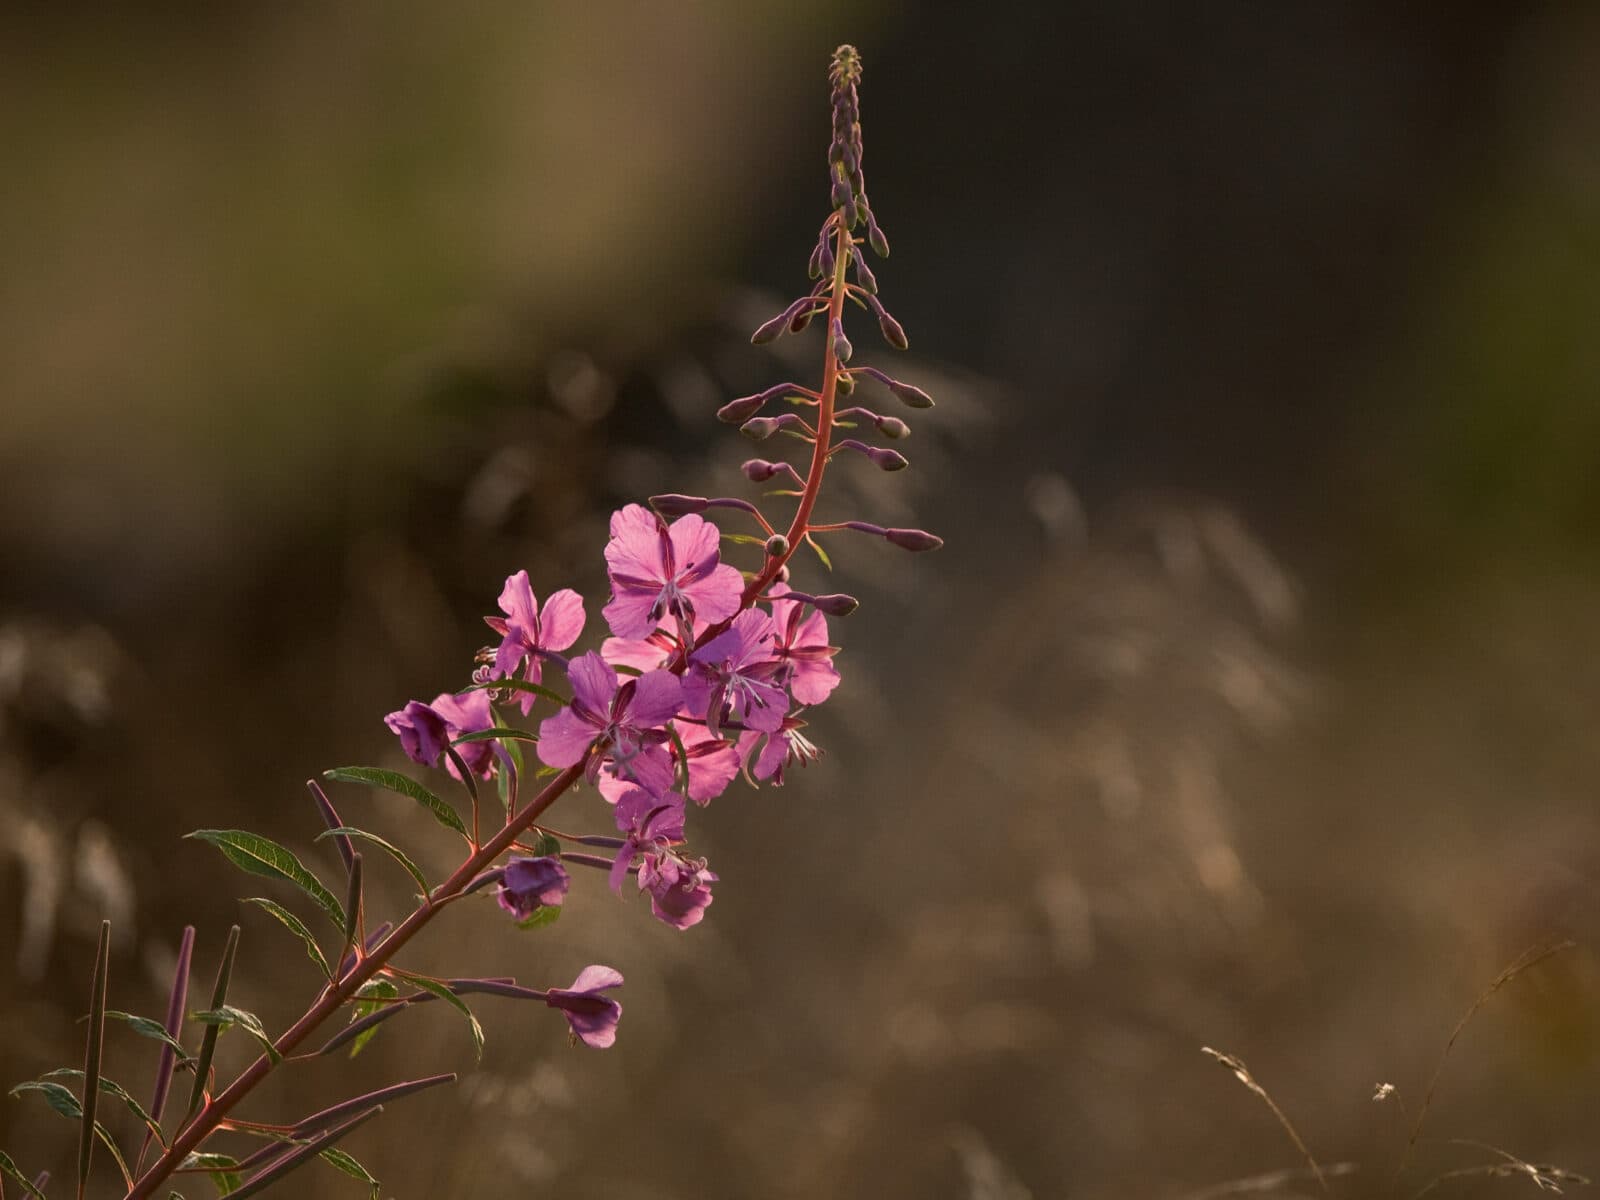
(1252, 702)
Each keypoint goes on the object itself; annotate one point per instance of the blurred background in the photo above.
(1250, 704)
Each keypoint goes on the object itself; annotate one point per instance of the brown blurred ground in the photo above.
(1249, 705)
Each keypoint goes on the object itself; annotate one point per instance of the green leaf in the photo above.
(820, 552)
(227, 1016)
(546, 846)
(392, 850)
(744, 539)
(450, 998)
(222, 1168)
(393, 781)
(64, 1102)
(56, 1095)
(260, 856)
(546, 772)
(10, 1168)
(370, 997)
(295, 926)
(337, 1158)
(112, 1088)
(520, 685)
(502, 732)
(153, 1030)
(545, 914)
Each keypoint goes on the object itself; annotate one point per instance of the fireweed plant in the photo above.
(708, 674)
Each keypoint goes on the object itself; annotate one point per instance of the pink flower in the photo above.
(802, 646)
(526, 631)
(426, 729)
(530, 884)
(593, 1017)
(657, 570)
(712, 765)
(734, 676)
(680, 889)
(766, 755)
(625, 723)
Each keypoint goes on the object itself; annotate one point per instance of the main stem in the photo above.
(335, 996)
(800, 526)
(338, 994)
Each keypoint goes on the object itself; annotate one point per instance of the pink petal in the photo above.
(718, 596)
(593, 978)
(696, 546)
(519, 603)
(631, 612)
(656, 699)
(635, 547)
(813, 680)
(594, 683)
(565, 738)
(562, 620)
(642, 654)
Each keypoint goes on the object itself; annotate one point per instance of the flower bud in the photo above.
(893, 427)
(912, 539)
(759, 428)
(875, 238)
(864, 273)
(736, 412)
(911, 397)
(777, 546)
(672, 505)
(814, 263)
(836, 604)
(892, 331)
(841, 344)
(772, 330)
(844, 384)
(887, 460)
(801, 320)
(759, 470)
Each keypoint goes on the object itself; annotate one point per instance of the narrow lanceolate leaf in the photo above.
(388, 848)
(393, 781)
(208, 1041)
(501, 732)
(433, 987)
(64, 1102)
(145, 1027)
(220, 1167)
(343, 1162)
(112, 1088)
(227, 1016)
(297, 927)
(822, 555)
(91, 1054)
(9, 1168)
(374, 995)
(260, 856)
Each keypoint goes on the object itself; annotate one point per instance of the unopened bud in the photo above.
(845, 383)
(673, 504)
(814, 264)
(912, 539)
(772, 330)
(875, 238)
(863, 272)
(841, 344)
(893, 427)
(759, 428)
(759, 470)
(887, 460)
(777, 546)
(801, 320)
(736, 411)
(836, 604)
(892, 331)
(911, 397)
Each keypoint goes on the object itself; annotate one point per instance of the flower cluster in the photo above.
(707, 671)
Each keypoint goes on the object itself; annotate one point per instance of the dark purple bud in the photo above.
(893, 427)
(801, 320)
(911, 397)
(888, 326)
(912, 539)
(759, 428)
(737, 411)
(875, 238)
(842, 193)
(835, 604)
(887, 460)
(759, 470)
(772, 330)
(864, 274)
(530, 884)
(841, 344)
(672, 505)
(777, 546)
(851, 213)
(827, 255)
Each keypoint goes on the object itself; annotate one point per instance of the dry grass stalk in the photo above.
(1527, 960)
(1242, 1074)
(1269, 1181)
(1545, 1176)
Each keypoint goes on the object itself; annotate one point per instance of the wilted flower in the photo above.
(425, 730)
(593, 1017)
(530, 884)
